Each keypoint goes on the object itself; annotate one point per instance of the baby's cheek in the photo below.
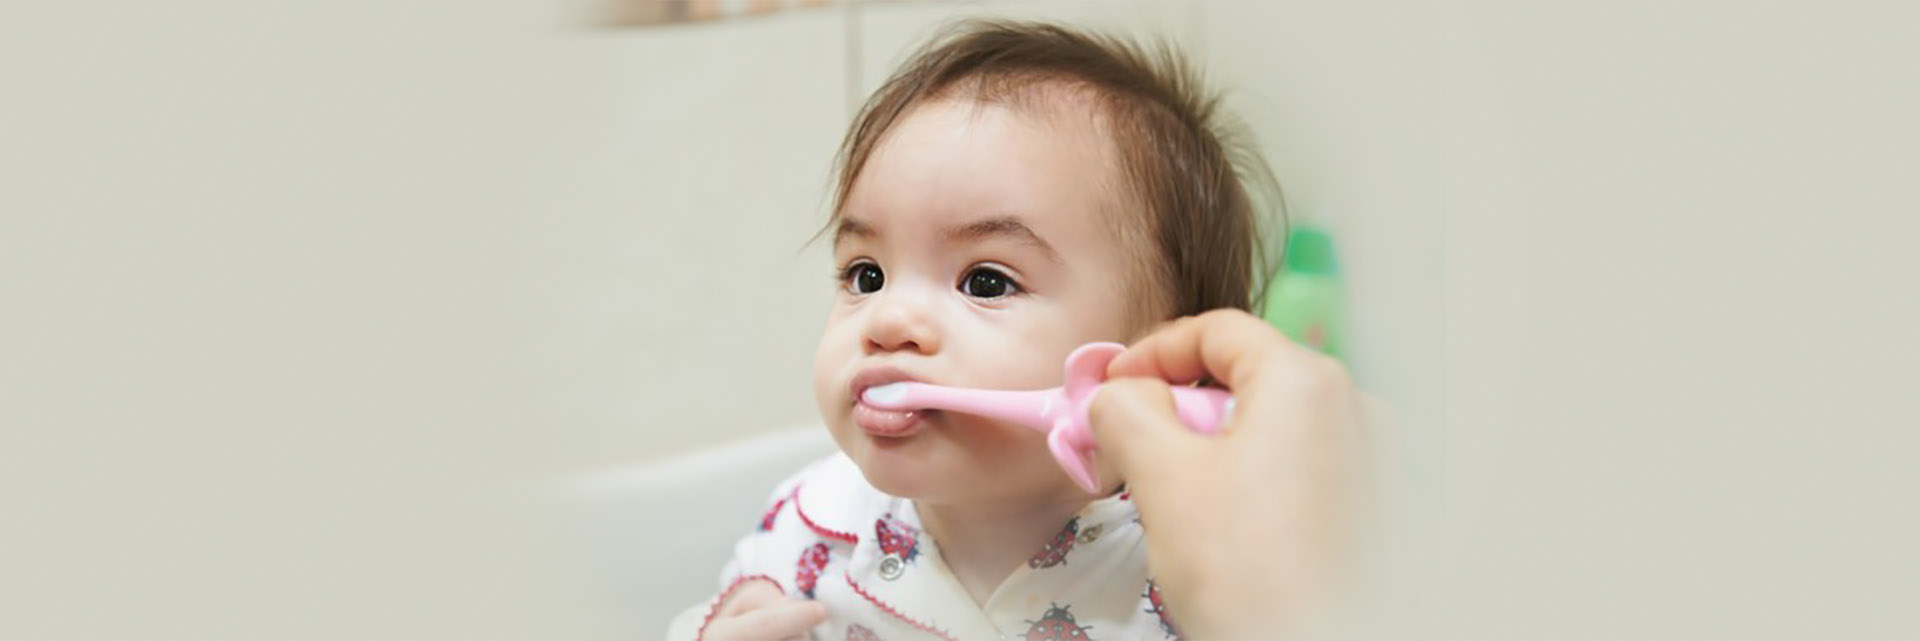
(830, 362)
(1024, 364)
(1030, 369)
(1001, 443)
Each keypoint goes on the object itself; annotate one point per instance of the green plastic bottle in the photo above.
(1305, 299)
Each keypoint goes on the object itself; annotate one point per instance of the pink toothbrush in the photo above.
(1060, 412)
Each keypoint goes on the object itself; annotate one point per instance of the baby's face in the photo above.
(976, 249)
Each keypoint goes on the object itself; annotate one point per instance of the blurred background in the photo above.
(493, 320)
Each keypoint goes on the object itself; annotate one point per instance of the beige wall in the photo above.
(307, 307)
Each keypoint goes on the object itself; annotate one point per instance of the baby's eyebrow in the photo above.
(1008, 226)
(850, 228)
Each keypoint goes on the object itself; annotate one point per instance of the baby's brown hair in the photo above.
(1181, 156)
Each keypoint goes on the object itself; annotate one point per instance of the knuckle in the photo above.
(1325, 376)
(1221, 312)
(1330, 370)
(1228, 316)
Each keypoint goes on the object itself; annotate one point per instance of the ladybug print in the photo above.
(813, 561)
(897, 538)
(766, 522)
(1055, 552)
(1159, 609)
(857, 632)
(1057, 625)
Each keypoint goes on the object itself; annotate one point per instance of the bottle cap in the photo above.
(1310, 251)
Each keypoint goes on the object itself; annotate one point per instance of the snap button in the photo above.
(892, 567)
(1091, 534)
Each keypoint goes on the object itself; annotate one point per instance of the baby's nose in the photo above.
(900, 326)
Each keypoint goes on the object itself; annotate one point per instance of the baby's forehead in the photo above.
(1046, 154)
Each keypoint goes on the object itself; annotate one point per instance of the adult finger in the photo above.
(1306, 397)
(1220, 344)
(1134, 423)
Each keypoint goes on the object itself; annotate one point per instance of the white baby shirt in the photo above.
(828, 535)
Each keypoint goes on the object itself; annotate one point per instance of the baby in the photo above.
(1013, 192)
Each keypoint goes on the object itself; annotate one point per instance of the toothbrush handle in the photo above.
(1204, 409)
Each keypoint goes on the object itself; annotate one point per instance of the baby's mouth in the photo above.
(876, 421)
(889, 423)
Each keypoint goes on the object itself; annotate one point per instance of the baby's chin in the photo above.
(910, 467)
(918, 467)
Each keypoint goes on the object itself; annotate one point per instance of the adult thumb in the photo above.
(1136, 429)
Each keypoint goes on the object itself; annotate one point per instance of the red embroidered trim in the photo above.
(831, 534)
(722, 599)
(896, 613)
(772, 518)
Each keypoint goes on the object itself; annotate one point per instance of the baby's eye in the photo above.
(862, 278)
(987, 282)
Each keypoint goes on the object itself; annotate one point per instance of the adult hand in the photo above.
(1243, 527)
